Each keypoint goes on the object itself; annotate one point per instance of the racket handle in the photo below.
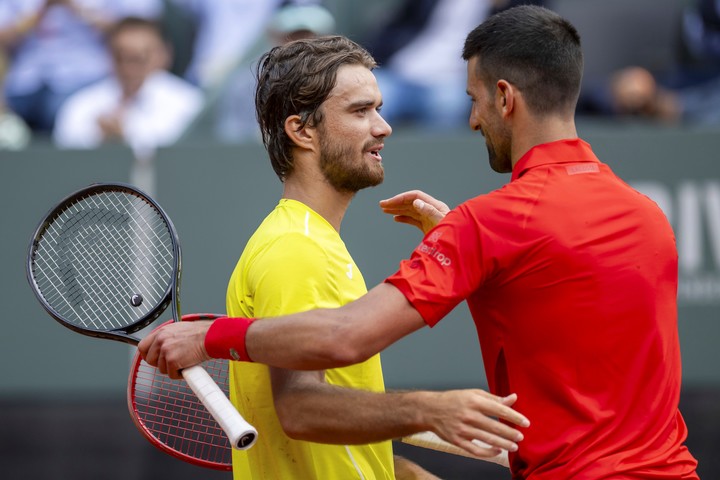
(432, 441)
(241, 434)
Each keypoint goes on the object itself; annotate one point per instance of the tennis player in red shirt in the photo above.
(570, 276)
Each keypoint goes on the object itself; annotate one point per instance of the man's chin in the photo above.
(500, 166)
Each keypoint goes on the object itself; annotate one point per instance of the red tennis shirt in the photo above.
(571, 279)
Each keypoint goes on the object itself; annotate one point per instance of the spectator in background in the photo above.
(142, 105)
(55, 47)
(226, 31)
(699, 42)
(235, 121)
(689, 94)
(14, 133)
(296, 20)
(628, 92)
(422, 73)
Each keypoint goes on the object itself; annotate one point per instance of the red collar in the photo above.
(562, 151)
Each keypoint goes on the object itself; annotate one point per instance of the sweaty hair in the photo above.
(535, 50)
(295, 79)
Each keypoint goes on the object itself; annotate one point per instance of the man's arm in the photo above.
(13, 30)
(316, 339)
(311, 340)
(311, 409)
(328, 338)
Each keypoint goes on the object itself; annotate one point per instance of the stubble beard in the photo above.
(346, 174)
(499, 152)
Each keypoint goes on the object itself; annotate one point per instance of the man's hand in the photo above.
(175, 346)
(111, 127)
(415, 208)
(475, 415)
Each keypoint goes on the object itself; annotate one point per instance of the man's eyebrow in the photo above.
(361, 104)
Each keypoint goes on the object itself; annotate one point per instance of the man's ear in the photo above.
(505, 97)
(301, 135)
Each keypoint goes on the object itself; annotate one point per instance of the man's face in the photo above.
(485, 117)
(136, 53)
(352, 131)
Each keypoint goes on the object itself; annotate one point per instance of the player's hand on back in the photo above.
(415, 208)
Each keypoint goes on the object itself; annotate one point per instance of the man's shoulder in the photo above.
(491, 197)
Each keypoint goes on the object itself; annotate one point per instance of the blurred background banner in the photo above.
(648, 109)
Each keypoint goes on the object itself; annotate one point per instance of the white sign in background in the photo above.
(693, 208)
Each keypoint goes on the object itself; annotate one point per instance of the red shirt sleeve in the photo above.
(444, 269)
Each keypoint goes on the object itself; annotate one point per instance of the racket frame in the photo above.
(150, 434)
(172, 291)
(241, 434)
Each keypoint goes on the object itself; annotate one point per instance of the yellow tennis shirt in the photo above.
(296, 261)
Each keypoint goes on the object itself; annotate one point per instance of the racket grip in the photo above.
(241, 434)
(431, 441)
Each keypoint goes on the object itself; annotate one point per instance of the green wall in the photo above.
(216, 195)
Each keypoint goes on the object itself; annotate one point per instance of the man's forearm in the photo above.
(330, 414)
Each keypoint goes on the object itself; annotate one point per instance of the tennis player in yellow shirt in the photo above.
(318, 106)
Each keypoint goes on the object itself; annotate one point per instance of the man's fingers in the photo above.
(415, 208)
(491, 435)
(498, 434)
(513, 416)
(175, 346)
(151, 351)
(407, 220)
(484, 445)
(480, 449)
(405, 198)
(427, 210)
(503, 409)
(148, 354)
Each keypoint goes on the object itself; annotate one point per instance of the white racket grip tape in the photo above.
(241, 434)
(432, 441)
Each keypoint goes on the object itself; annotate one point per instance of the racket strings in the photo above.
(172, 413)
(98, 253)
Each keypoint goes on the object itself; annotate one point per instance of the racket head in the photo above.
(171, 417)
(104, 261)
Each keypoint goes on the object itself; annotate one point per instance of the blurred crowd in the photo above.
(687, 92)
(148, 73)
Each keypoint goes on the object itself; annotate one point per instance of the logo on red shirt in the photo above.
(433, 252)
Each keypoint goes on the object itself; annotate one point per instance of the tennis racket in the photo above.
(432, 441)
(170, 416)
(105, 262)
(146, 381)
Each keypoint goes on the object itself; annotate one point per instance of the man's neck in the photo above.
(547, 130)
(321, 197)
